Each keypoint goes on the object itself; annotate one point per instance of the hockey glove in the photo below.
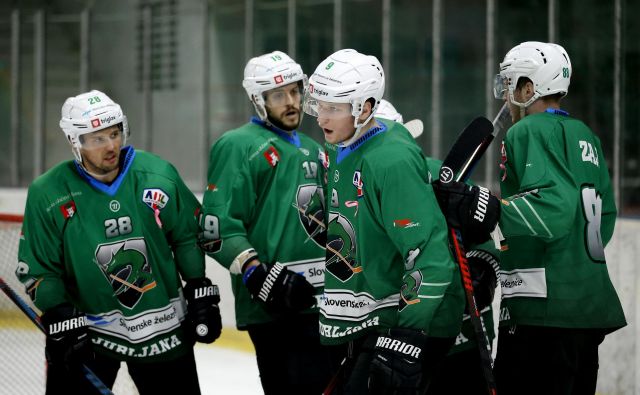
(484, 276)
(396, 367)
(67, 342)
(280, 289)
(471, 209)
(203, 312)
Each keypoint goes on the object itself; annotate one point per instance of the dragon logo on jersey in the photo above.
(410, 289)
(127, 269)
(341, 248)
(310, 205)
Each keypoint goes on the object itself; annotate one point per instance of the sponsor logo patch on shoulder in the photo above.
(155, 198)
(272, 156)
(68, 209)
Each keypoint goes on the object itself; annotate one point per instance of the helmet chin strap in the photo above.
(523, 106)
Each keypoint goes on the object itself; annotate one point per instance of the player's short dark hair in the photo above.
(523, 81)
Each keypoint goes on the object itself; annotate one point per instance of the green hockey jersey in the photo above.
(388, 260)
(115, 251)
(558, 213)
(265, 193)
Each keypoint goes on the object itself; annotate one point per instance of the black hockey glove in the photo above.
(203, 312)
(484, 269)
(396, 367)
(67, 342)
(280, 289)
(471, 209)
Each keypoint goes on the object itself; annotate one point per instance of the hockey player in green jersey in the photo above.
(393, 298)
(107, 239)
(558, 213)
(484, 266)
(263, 219)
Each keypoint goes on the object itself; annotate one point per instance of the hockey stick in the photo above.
(35, 318)
(458, 165)
(335, 379)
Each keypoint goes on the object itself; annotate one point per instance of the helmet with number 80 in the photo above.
(346, 76)
(547, 65)
(267, 72)
(87, 113)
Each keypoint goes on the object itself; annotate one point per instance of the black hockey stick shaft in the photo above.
(35, 318)
(501, 122)
(335, 379)
(458, 165)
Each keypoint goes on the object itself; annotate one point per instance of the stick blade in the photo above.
(467, 150)
(415, 127)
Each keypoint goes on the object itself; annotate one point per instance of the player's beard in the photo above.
(108, 166)
(281, 121)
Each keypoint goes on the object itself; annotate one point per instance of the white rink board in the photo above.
(619, 354)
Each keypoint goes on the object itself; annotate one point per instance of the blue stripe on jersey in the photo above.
(343, 152)
(557, 111)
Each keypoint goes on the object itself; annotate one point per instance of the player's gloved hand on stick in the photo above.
(484, 269)
(469, 208)
(282, 290)
(203, 312)
(67, 343)
(396, 367)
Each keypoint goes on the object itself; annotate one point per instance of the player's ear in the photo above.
(366, 109)
(529, 90)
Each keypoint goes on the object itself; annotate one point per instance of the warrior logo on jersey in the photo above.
(310, 205)
(155, 198)
(410, 289)
(68, 209)
(272, 156)
(341, 248)
(127, 269)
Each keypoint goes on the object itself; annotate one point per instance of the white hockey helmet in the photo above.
(547, 65)
(88, 113)
(267, 72)
(346, 76)
(386, 110)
